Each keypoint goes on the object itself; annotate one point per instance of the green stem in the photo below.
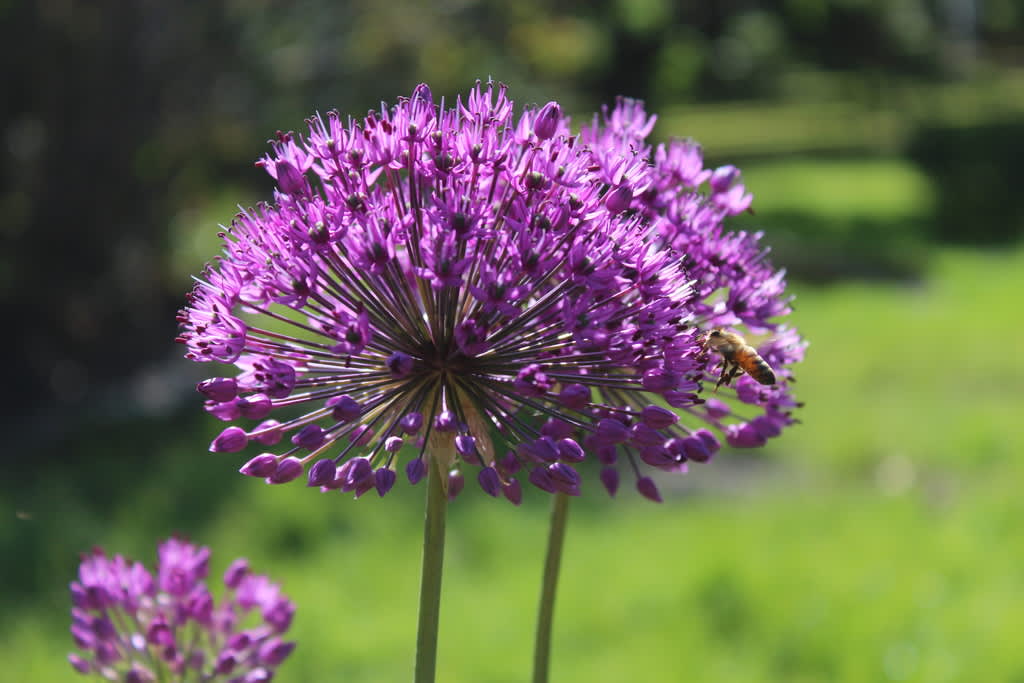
(430, 586)
(542, 648)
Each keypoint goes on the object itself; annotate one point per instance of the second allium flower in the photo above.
(492, 292)
(140, 627)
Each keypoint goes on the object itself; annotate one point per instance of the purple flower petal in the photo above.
(231, 440)
(416, 470)
(513, 491)
(456, 482)
(384, 479)
(610, 479)
(322, 472)
(489, 481)
(219, 389)
(648, 489)
(288, 469)
(262, 465)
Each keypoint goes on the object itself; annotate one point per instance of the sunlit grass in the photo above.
(875, 541)
(827, 582)
(925, 371)
(867, 188)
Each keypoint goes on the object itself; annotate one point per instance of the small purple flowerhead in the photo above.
(133, 625)
(445, 284)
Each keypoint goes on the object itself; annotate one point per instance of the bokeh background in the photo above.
(877, 540)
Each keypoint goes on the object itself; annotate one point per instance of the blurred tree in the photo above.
(979, 199)
(121, 121)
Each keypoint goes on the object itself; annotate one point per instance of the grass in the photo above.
(876, 541)
(871, 188)
(924, 371)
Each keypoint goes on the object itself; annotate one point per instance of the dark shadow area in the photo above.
(822, 250)
(976, 172)
(66, 494)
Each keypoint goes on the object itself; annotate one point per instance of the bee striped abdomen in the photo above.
(759, 370)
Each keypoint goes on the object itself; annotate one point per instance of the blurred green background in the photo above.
(877, 540)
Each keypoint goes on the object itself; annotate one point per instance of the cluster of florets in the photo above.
(138, 627)
(735, 286)
(493, 294)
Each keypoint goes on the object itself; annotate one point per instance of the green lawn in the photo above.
(875, 541)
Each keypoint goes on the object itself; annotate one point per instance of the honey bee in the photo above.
(737, 357)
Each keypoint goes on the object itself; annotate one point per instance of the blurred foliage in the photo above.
(979, 197)
(127, 126)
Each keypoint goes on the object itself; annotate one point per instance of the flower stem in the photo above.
(542, 647)
(430, 586)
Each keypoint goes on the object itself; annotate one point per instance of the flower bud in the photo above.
(446, 421)
(611, 431)
(384, 479)
(575, 396)
(723, 177)
(231, 440)
(416, 470)
(456, 482)
(262, 465)
(235, 572)
(619, 199)
(287, 470)
(546, 124)
(289, 179)
(322, 473)
(648, 489)
(266, 433)
(540, 478)
(610, 479)
(657, 417)
(79, 664)
(512, 491)
(564, 478)
(489, 481)
(226, 662)
(411, 422)
(344, 408)
(219, 389)
(309, 437)
(570, 451)
(743, 436)
(274, 651)
(400, 364)
(255, 407)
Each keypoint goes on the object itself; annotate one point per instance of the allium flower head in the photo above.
(463, 285)
(136, 626)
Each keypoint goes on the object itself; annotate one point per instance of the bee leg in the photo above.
(734, 371)
(725, 376)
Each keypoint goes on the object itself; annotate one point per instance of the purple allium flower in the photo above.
(133, 625)
(492, 292)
